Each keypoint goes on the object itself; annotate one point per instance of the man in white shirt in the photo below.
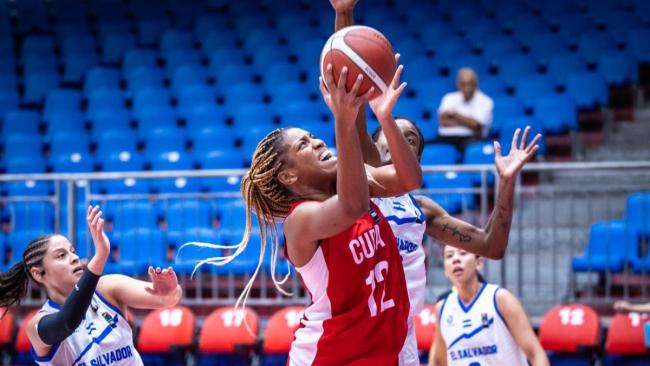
(464, 115)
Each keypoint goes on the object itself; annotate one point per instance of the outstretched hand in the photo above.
(96, 227)
(164, 281)
(520, 153)
(383, 105)
(343, 104)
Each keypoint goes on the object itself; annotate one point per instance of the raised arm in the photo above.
(161, 291)
(312, 221)
(344, 18)
(490, 242)
(515, 317)
(404, 174)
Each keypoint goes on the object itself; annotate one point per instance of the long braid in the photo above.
(268, 199)
(13, 283)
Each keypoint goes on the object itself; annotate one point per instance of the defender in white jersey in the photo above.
(480, 324)
(83, 322)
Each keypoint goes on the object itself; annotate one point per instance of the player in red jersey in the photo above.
(337, 239)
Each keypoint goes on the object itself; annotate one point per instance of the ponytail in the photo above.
(13, 285)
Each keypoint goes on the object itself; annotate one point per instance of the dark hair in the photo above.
(375, 134)
(13, 283)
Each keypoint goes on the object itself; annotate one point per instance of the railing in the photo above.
(555, 204)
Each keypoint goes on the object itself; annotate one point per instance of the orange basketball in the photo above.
(363, 50)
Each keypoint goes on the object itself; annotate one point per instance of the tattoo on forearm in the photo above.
(455, 232)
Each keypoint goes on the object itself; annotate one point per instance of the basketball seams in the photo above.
(354, 57)
(389, 52)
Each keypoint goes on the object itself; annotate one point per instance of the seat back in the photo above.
(280, 329)
(564, 328)
(425, 327)
(230, 321)
(165, 328)
(626, 334)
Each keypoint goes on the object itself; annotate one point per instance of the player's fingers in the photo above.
(531, 153)
(535, 142)
(323, 87)
(398, 74)
(357, 85)
(397, 56)
(497, 149)
(524, 139)
(343, 78)
(329, 77)
(399, 90)
(515, 138)
(367, 95)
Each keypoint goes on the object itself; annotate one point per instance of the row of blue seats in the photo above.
(615, 245)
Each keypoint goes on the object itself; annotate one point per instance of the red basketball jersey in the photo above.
(359, 303)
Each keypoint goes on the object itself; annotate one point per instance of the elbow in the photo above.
(414, 181)
(354, 211)
(496, 252)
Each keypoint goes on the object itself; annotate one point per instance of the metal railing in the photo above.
(555, 204)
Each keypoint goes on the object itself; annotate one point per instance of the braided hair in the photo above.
(266, 197)
(13, 283)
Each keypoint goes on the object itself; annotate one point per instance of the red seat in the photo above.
(23, 345)
(425, 327)
(164, 328)
(228, 321)
(279, 331)
(625, 335)
(6, 326)
(564, 328)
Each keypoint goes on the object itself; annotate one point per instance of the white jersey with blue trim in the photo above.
(476, 334)
(408, 223)
(104, 338)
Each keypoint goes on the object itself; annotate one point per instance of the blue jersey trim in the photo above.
(496, 306)
(48, 357)
(417, 207)
(402, 220)
(107, 303)
(442, 307)
(97, 340)
(472, 333)
(53, 304)
(469, 307)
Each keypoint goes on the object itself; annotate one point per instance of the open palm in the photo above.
(383, 105)
(164, 281)
(520, 153)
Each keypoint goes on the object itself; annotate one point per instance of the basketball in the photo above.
(363, 50)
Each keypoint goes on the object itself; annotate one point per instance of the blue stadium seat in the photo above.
(102, 99)
(270, 54)
(101, 77)
(66, 121)
(38, 45)
(75, 65)
(145, 77)
(443, 185)
(561, 65)
(225, 56)
(505, 109)
(309, 54)
(498, 48)
(61, 100)
(186, 75)
(243, 93)
(169, 159)
(38, 84)
(130, 214)
(120, 160)
(411, 108)
(20, 121)
(108, 119)
(515, 67)
(24, 164)
(259, 37)
(18, 240)
(618, 68)
(440, 154)
(138, 57)
(477, 63)
(179, 57)
(124, 161)
(430, 90)
(76, 162)
(67, 140)
(572, 25)
(544, 45)
(319, 130)
(481, 152)
(184, 214)
(587, 89)
(298, 112)
(156, 117)
(493, 86)
(638, 212)
(530, 87)
(193, 96)
(115, 45)
(526, 26)
(479, 30)
(289, 92)
(276, 75)
(8, 101)
(21, 144)
(139, 248)
(637, 44)
(592, 44)
(151, 98)
(252, 137)
(557, 113)
(451, 47)
(508, 128)
(610, 246)
(187, 258)
(208, 22)
(8, 80)
(619, 24)
(149, 30)
(33, 215)
(251, 113)
(32, 15)
(219, 158)
(78, 43)
(216, 39)
(173, 39)
(30, 188)
(204, 116)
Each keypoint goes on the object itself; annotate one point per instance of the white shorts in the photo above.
(409, 355)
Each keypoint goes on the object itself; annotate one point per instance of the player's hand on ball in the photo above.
(520, 153)
(383, 105)
(343, 104)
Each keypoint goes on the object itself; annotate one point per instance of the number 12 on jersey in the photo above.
(375, 279)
